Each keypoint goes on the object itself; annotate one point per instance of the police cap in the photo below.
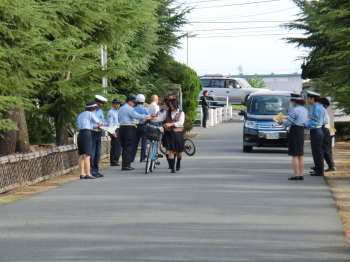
(131, 98)
(91, 104)
(100, 99)
(117, 100)
(313, 94)
(295, 97)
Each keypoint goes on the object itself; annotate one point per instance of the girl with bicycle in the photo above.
(173, 140)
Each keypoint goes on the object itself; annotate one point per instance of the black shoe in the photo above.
(313, 167)
(89, 177)
(330, 169)
(316, 174)
(173, 171)
(293, 178)
(301, 178)
(178, 169)
(127, 168)
(160, 156)
(143, 160)
(99, 174)
(82, 177)
(95, 175)
(115, 165)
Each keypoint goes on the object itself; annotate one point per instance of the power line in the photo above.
(240, 22)
(225, 18)
(238, 4)
(236, 35)
(236, 28)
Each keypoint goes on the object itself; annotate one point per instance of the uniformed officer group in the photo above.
(321, 125)
(130, 120)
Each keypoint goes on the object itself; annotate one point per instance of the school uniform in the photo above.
(173, 137)
(296, 136)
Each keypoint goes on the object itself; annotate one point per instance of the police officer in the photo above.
(328, 132)
(112, 118)
(84, 122)
(296, 137)
(316, 134)
(127, 119)
(140, 129)
(96, 137)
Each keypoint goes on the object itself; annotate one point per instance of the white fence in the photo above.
(216, 115)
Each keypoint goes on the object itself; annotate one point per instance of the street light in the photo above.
(189, 34)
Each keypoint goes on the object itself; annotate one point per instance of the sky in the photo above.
(234, 36)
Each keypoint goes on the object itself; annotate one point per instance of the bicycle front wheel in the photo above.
(149, 158)
(189, 147)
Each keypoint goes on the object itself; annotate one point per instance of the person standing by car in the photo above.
(112, 118)
(205, 108)
(296, 137)
(328, 133)
(316, 134)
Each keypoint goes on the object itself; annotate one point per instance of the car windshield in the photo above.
(243, 83)
(269, 105)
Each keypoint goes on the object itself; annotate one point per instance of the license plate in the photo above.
(272, 136)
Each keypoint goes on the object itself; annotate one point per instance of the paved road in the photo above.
(224, 205)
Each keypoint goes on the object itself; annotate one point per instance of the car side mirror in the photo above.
(242, 112)
(238, 86)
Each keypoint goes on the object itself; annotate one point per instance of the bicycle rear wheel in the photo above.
(189, 147)
(149, 158)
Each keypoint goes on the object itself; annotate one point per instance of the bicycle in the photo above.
(189, 147)
(154, 134)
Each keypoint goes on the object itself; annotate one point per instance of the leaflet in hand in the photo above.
(279, 117)
(110, 129)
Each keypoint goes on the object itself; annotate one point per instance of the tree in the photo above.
(326, 26)
(256, 82)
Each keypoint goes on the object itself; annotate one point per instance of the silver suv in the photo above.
(221, 88)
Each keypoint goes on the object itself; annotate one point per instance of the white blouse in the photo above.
(179, 123)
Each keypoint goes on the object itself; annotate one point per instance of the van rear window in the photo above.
(205, 82)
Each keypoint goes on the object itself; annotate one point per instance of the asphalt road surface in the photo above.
(223, 205)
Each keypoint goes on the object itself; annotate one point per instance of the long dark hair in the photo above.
(174, 103)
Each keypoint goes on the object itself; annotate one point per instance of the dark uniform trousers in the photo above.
(205, 116)
(116, 148)
(127, 138)
(316, 137)
(327, 147)
(140, 133)
(96, 151)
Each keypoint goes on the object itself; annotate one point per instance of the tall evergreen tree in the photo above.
(326, 26)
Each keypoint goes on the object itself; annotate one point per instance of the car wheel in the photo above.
(247, 148)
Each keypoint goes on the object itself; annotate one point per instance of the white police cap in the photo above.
(312, 94)
(100, 99)
(91, 104)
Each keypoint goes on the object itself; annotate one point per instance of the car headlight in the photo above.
(251, 124)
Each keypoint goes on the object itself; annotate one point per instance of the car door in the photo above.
(232, 90)
(216, 90)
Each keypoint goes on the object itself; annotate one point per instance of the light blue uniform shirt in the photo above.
(297, 117)
(86, 119)
(127, 114)
(112, 117)
(317, 116)
(100, 116)
(140, 109)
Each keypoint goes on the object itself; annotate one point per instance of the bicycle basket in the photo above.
(154, 133)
